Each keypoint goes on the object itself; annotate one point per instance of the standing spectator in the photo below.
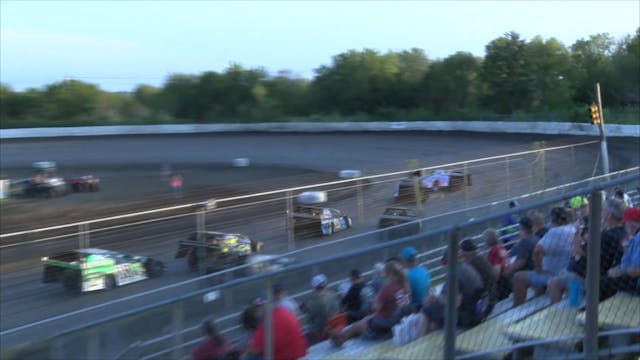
(550, 256)
(469, 253)
(288, 341)
(469, 284)
(625, 277)
(353, 302)
(282, 299)
(613, 233)
(319, 307)
(509, 224)
(176, 184)
(214, 345)
(417, 276)
(389, 305)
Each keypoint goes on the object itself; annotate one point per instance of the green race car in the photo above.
(92, 269)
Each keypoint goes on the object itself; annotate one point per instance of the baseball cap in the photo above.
(408, 253)
(257, 301)
(631, 214)
(318, 281)
(577, 202)
(468, 245)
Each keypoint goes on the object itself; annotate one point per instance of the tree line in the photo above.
(517, 79)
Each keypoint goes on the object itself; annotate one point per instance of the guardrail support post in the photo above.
(177, 326)
(360, 202)
(450, 316)
(508, 177)
(289, 222)
(83, 236)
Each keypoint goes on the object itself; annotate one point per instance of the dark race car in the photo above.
(311, 221)
(85, 183)
(92, 269)
(213, 251)
(401, 221)
(439, 180)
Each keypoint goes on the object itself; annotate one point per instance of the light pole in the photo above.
(603, 137)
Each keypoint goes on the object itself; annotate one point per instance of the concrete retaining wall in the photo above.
(474, 126)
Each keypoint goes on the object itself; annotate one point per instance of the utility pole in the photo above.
(603, 137)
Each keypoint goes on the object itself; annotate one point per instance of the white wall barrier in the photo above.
(551, 128)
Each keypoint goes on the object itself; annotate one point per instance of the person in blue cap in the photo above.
(417, 276)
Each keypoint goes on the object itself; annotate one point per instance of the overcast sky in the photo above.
(120, 44)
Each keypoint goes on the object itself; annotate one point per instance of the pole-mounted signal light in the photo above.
(594, 113)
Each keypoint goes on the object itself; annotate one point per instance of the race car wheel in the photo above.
(330, 230)
(109, 282)
(192, 261)
(154, 268)
(349, 223)
(71, 280)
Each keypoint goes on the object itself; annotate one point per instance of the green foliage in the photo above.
(518, 80)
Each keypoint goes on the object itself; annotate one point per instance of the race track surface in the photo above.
(135, 164)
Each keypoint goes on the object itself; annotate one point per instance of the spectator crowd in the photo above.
(545, 256)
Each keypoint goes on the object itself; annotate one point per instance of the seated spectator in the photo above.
(417, 276)
(377, 278)
(497, 255)
(522, 256)
(613, 233)
(470, 286)
(322, 304)
(288, 342)
(625, 277)
(214, 345)
(281, 298)
(539, 226)
(353, 302)
(550, 256)
(497, 258)
(389, 306)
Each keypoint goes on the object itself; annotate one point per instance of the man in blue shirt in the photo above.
(625, 277)
(417, 276)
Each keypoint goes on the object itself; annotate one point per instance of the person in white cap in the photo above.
(319, 307)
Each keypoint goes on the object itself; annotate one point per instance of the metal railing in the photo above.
(108, 331)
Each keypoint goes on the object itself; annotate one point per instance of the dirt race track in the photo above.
(134, 170)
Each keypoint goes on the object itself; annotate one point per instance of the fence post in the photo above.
(289, 222)
(508, 177)
(177, 326)
(593, 277)
(466, 185)
(83, 236)
(450, 316)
